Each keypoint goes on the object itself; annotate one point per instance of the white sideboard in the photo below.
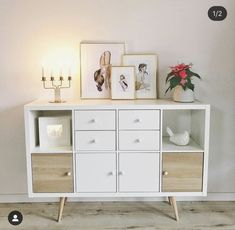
(119, 149)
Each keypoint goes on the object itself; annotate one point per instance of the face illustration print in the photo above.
(102, 75)
(142, 78)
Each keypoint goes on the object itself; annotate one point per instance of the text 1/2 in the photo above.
(217, 13)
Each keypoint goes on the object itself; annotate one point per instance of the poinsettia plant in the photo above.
(181, 75)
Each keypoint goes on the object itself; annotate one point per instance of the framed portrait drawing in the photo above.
(123, 82)
(96, 62)
(146, 74)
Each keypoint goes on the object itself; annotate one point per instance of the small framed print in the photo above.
(96, 62)
(123, 82)
(146, 74)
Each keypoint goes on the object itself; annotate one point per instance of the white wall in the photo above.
(177, 30)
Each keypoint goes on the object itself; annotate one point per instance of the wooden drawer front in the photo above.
(95, 140)
(95, 120)
(139, 119)
(96, 172)
(138, 172)
(52, 173)
(139, 140)
(184, 172)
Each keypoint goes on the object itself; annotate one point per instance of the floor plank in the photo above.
(122, 216)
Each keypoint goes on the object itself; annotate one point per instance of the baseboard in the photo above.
(23, 198)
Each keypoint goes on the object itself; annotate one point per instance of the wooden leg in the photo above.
(61, 207)
(172, 198)
(169, 200)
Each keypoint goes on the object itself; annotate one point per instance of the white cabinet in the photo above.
(120, 148)
(138, 172)
(96, 172)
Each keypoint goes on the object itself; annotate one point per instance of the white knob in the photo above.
(93, 120)
(93, 141)
(68, 173)
(111, 173)
(121, 173)
(137, 120)
(137, 140)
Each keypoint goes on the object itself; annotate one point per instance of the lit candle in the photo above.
(43, 72)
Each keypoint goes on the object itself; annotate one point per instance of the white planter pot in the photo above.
(181, 95)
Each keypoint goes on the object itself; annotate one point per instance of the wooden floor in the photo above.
(122, 215)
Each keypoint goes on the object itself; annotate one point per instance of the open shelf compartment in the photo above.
(192, 120)
(34, 136)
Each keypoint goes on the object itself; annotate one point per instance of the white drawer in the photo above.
(139, 140)
(95, 120)
(94, 140)
(139, 119)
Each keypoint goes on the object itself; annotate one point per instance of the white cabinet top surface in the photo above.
(109, 104)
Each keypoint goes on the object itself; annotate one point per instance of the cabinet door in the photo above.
(182, 172)
(52, 173)
(96, 172)
(138, 172)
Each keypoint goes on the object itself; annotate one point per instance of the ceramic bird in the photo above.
(178, 138)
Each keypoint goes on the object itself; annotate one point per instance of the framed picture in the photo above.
(54, 131)
(96, 62)
(146, 74)
(123, 82)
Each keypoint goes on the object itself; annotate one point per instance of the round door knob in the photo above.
(93, 141)
(121, 173)
(165, 173)
(137, 140)
(137, 120)
(68, 173)
(111, 173)
(93, 120)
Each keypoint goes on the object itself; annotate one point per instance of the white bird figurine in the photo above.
(178, 138)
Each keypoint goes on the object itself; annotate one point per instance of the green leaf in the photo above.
(190, 86)
(174, 82)
(194, 74)
(168, 89)
(169, 75)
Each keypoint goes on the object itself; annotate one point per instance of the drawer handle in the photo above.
(165, 173)
(68, 173)
(93, 141)
(138, 120)
(137, 140)
(111, 173)
(121, 173)
(93, 120)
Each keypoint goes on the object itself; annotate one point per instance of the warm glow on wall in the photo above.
(61, 61)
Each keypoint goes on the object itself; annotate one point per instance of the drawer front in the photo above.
(139, 119)
(139, 140)
(138, 172)
(96, 172)
(95, 140)
(52, 173)
(182, 172)
(95, 120)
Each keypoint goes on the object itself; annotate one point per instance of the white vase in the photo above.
(181, 95)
